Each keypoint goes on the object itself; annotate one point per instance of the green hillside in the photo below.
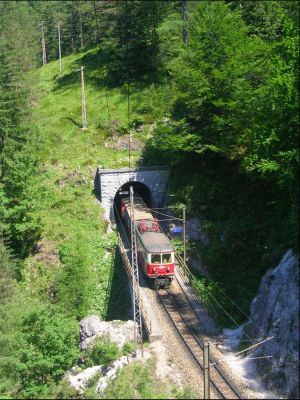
(67, 210)
(213, 93)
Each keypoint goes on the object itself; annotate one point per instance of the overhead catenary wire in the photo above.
(111, 131)
(171, 217)
(239, 359)
(217, 286)
(245, 340)
(166, 215)
(232, 319)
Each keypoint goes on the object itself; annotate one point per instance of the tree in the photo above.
(17, 136)
(133, 48)
(238, 90)
(47, 348)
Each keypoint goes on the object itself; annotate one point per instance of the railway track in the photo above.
(184, 319)
(185, 327)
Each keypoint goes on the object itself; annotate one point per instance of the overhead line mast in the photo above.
(137, 315)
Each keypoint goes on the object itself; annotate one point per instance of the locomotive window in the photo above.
(167, 258)
(155, 259)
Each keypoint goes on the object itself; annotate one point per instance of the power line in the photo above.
(217, 286)
(239, 359)
(128, 91)
(166, 215)
(222, 308)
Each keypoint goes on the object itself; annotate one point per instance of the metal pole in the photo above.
(184, 237)
(43, 46)
(138, 330)
(59, 47)
(83, 105)
(206, 371)
(132, 262)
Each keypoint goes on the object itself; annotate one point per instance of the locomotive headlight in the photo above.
(168, 269)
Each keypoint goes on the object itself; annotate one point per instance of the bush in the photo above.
(128, 347)
(103, 352)
(63, 391)
(48, 347)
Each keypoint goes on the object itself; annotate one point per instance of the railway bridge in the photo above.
(150, 182)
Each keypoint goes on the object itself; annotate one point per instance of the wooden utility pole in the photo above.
(83, 105)
(59, 47)
(206, 370)
(184, 236)
(43, 46)
(185, 21)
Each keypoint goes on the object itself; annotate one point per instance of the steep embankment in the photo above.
(73, 269)
(74, 265)
(73, 243)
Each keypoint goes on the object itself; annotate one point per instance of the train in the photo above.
(156, 257)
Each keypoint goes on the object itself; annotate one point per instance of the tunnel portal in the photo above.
(138, 188)
(149, 182)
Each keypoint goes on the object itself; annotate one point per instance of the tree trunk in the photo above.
(81, 32)
(185, 21)
(96, 19)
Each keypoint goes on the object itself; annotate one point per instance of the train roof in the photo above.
(155, 242)
(141, 211)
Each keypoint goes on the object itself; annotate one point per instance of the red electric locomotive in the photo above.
(154, 249)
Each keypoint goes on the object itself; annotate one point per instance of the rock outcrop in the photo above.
(79, 381)
(111, 373)
(92, 327)
(275, 312)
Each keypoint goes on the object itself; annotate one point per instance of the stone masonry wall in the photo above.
(110, 181)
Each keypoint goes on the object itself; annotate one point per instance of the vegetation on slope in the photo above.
(231, 141)
(220, 110)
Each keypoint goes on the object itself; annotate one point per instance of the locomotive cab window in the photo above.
(167, 258)
(155, 259)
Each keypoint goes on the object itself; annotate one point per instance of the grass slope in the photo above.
(65, 205)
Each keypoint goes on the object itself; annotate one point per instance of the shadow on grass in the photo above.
(97, 70)
(118, 302)
(76, 123)
(93, 71)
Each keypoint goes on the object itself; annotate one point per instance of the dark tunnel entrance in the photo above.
(138, 188)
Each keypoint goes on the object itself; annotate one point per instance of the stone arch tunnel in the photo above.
(149, 182)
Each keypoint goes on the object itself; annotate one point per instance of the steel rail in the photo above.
(219, 374)
(215, 366)
(190, 330)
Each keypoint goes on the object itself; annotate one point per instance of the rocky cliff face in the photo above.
(275, 312)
